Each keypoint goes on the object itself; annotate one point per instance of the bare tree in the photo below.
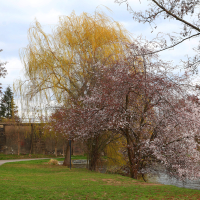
(183, 11)
(3, 72)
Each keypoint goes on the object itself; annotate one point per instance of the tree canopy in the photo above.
(153, 112)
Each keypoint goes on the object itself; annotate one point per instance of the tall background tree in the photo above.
(8, 109)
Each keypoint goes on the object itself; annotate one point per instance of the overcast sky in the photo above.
(16, 16)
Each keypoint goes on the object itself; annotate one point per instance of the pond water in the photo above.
(165, 179)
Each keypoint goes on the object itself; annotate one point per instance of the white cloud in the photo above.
(46, 18)
(22, 4)
(32, 3)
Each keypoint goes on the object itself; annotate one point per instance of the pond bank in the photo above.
(162, 178)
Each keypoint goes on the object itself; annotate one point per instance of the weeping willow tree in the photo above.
(61, 64)
(59, 67)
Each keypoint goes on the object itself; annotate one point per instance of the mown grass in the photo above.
(37, 180)
(14, 156)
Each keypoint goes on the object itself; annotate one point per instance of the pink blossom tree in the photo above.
(151, 108)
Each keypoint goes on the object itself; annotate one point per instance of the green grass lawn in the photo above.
(38, 180)
(14, 156)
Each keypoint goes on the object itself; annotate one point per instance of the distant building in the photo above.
(26, 138)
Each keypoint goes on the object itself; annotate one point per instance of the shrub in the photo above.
(53, 162)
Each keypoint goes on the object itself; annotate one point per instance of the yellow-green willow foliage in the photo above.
(60, 64)
(115, 152)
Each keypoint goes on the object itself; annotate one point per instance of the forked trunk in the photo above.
(133, 163)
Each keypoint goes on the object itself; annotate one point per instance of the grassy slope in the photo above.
(37, 180)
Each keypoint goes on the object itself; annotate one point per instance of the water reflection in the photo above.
(165, 179)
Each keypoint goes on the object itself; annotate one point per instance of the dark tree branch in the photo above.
(176, 17)
(153, 52)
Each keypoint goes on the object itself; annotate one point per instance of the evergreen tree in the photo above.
(8, 109)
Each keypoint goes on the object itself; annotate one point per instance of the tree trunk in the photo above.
(87, 166)
(63, 150)
(31, 144)
(56, 148)
(135, 164)
(131, 163)
(56, 151)
(18, 143)
(131, 156)
(67, 156)
(94, 154)
(93, 163)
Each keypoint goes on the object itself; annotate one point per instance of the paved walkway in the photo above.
(16, 160)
